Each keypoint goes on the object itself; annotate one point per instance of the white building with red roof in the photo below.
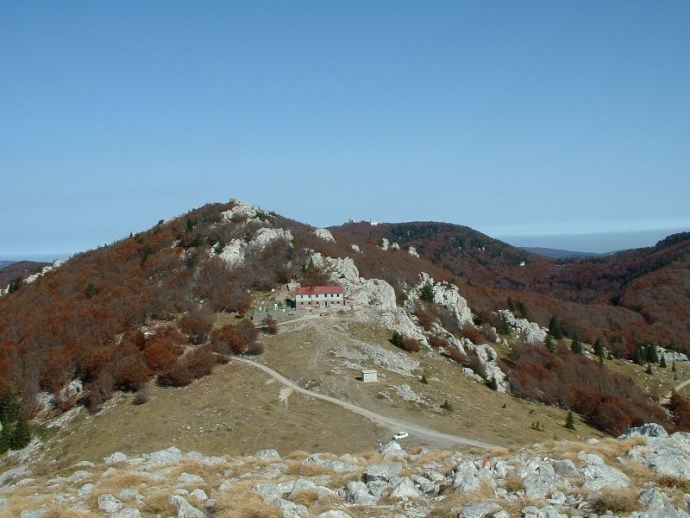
(322, 297)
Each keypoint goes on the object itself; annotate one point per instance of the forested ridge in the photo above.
(142, 309)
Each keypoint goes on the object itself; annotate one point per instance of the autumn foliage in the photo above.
(609, 401)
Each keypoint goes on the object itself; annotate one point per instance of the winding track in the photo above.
(387, 421)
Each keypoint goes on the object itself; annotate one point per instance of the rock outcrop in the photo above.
(531, 332)
(598, 478)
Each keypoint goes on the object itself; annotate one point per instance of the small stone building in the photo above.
(369, 375)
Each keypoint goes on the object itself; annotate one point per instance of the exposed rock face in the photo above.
(325, 234)
(528, 483)
(530, 331)
(241, 212)
(235, 251)
(375, 293)
(446, 295)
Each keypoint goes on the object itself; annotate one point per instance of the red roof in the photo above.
(319, 290)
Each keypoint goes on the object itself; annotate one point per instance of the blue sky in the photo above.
(519, 119)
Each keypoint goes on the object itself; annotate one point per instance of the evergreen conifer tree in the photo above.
(21, 435)
(555, 328)
(576, 346)
(427, 293)
(570, 421)
(652, 355)
(9, 408)
(4, 439)
(599, 349)
(550, 345)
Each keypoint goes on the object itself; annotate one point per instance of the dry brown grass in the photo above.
(305, 497)
(156, 503)
(514, 483)
(671, 482)
(617, 501)
(608, 449)
(298, 455)
(246, 505)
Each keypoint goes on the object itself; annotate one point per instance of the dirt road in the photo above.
(394, 424)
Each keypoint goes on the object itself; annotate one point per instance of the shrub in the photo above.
(447, 406)
(427, 293)
(197, 325)
(141, 396)
(255, 348)
(437, 342)
(176, 376)
(411, 345)
(270, 325)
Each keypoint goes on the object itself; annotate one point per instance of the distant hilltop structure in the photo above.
(352, 220)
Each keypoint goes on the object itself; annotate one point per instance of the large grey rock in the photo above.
(128, 512)
(565, 468)
(308, 485)
(480, 510)
(405, 488)
(13, 474)
(385, 471)
(391, 450)
(652, 499)
(357, 493)
(109, 503)
(170, 455)
(600, 476)
(272, 492)
(334, 514)
(676, 464)
(291, 509)
(184, 508)
(541, 486)
(646, 430)
(116, 457)
(34, 513)
(267, 455)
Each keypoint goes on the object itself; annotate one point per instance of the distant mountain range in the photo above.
(558, 254)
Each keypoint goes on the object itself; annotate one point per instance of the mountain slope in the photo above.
(171, 303)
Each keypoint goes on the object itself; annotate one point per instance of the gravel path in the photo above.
(395, 424)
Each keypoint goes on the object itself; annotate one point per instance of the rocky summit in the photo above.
(643, 473)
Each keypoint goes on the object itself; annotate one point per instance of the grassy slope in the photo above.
(238, 410)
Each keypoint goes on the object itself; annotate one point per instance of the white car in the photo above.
(401, 435)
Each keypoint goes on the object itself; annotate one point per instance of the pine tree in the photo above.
(21, 435)
(576, 346)
(652, 355)
(599, 349)
(4, 439)
(570, 421)
(662, 361)
(555, 328)
(649, 369)
(9, 408)
(550, 345)
(639, 356)
(427, 293)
